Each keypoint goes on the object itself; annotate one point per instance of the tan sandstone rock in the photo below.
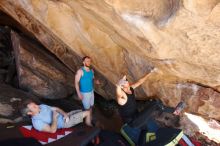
(180, 38)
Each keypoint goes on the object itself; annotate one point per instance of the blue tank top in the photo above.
(86, 81)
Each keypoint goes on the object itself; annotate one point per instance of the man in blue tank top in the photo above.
(84, 84)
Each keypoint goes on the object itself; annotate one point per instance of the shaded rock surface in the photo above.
(180, 38)
(10, 103)
(39, 72)
(8, 74)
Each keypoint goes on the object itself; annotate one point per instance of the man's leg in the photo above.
(73, 112)
(88, 118)
(91, 102)
(78, 118)
(92, 99)
(86, 100)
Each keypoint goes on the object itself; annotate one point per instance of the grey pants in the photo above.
(75, 117)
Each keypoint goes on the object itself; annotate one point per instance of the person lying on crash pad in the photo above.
(48, 119)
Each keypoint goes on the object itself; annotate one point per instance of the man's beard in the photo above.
(87, 65)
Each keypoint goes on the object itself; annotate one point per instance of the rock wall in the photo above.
(180, 38)
(11, 100)
(39, 72)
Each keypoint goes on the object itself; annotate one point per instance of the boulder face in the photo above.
(157, 10)
(178, 37)
(11, 100)
(39, 72)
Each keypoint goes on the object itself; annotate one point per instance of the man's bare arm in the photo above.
(53, 127)
(77, 78)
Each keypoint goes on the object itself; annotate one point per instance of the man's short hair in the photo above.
(24, 109)
(83, 59)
